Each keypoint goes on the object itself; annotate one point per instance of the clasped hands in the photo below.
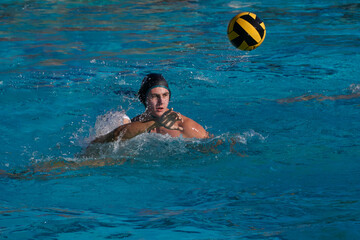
(168, 119)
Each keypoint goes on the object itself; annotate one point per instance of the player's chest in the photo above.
(162, 130)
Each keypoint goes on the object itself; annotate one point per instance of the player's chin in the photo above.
(158, 113)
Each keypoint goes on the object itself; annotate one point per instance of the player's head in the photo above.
(149, 82)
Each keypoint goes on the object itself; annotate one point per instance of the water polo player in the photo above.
(155, 94)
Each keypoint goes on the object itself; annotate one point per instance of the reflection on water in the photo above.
(54, 23)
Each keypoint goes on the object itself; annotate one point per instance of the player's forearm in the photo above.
(136, 128)
(126, 131)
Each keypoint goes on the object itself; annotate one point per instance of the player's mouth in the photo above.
(159, 109)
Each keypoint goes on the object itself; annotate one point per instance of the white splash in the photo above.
(354, 88)
(247, 136)
(109, 121)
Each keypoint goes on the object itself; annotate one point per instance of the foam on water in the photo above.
(148, 149)
(355, 88)
(157, 147)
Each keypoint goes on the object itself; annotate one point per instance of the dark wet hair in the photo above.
(149, 82)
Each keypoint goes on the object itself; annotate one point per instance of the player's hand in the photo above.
(169, 118)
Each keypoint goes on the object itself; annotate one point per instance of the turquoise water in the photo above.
(287, 168)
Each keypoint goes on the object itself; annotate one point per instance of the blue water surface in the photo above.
(287, 114)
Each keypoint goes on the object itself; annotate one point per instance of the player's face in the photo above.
(157, 101)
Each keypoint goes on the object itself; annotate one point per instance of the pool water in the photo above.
(287, 114)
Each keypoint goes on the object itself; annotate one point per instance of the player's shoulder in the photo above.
(141, 118)
(188, 121)
(192, 129)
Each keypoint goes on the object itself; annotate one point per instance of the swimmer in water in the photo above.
(155, 94)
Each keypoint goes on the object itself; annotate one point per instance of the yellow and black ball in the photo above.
(246, 31)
